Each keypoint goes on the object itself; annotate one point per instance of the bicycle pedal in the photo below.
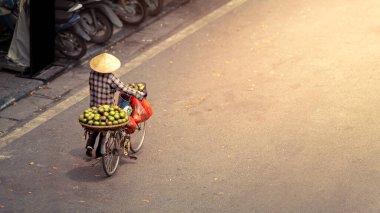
(132, 157)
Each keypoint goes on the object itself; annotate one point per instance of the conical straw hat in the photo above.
(105, 63)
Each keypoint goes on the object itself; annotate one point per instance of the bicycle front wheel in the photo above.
(111, 156)
(137, 138)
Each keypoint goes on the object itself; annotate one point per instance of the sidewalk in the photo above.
(13, 88)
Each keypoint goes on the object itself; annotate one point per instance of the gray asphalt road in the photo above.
(270, 108)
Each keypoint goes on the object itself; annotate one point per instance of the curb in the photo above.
(20, 93)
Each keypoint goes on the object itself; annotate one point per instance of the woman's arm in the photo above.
(117, 84)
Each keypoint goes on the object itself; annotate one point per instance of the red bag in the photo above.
(139, 114)
(131, 126)
(147, 107)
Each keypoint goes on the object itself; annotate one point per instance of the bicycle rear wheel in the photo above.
(111, 156)
(137, 138)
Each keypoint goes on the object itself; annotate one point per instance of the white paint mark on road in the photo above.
(79, 96)
(3, 157)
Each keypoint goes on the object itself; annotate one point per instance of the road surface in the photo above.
(259, 106)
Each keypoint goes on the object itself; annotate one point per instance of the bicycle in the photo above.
(121, 139)
(118, 139)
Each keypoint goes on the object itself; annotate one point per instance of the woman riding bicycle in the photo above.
(103, 86)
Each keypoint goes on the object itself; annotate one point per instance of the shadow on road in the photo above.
(87, 173)
(91, 170)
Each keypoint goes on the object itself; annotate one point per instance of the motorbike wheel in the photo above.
(70, 45)
(135, 11)
(154, 6)
(100, 31)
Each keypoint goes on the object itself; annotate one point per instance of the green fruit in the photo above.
(122, 114)
(117, 116)
(90, 122)
(102, 123)
(84, 120)
(140, 86)
(109, 123)
(105, 113)
(101, 110)
(96, 123)
(96, 118)
(103, 118)
(112, 113)
(110, 118)
(115, 122)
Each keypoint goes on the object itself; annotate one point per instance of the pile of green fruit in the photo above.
(104, 116)
(137, 86)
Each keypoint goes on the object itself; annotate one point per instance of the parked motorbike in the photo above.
(98, 20)
(71, 6)
(154, 6)
(67, 42)
(131, 12)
